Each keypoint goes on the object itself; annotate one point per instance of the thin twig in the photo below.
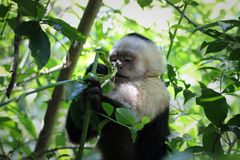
(175, 32)
(87, 116)
(60, 83)
(191, 22)
(17, 40)
(231, 145)
(2, 149)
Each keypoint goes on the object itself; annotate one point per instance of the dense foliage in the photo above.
(201, 41)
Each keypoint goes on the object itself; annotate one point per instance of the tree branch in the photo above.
(175, 32)
(84, 27)
(17, 40)
(191, 22)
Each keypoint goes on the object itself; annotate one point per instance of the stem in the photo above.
(231, 145)
(14, 67)
(175, 32)
(95, 63)
(87, 116)
(191, 22)
(1, 148)
(111, 119)
(37, 90)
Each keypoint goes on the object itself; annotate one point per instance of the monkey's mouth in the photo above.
(120, 76)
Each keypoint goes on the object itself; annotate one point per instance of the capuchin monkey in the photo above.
(137, 86)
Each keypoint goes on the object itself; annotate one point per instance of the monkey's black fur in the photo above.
(115, 141)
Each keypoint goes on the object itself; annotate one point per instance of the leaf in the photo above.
(228, 24)
(229, 89)
(214, 105)
(102, 124)
(40, 47)
(234, 121)
(3, 10)
(125, 116)
(39, 43)
(235, 54)
(194, 149)
(216, 46)
(108, 108)
(211, 140)
(25, 121)
(211, 68)
(177, 90)
(73, 90)
(203, 45)
(177, 26)
(193, 3)
(235, 130)
(63, 27)
(31, 9)
(171, 73)
(7, 123)
(60, 139)
(188, 95)
(144, 3)
(175, 1)
(27, 28)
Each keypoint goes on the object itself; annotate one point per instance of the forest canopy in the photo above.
(46, 47)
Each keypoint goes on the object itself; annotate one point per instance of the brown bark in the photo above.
(84, 27)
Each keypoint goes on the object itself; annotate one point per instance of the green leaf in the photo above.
(31, 8)
(40, 47)
(211, 68)
(216, 46)
(175, 1)
(203, 45)
(125, 116)
(144, 3)
(108, 108)
(60, 139)
(27, 28)
(234, 121)
(12, 23)
(235, 54)
(39, 43)
(214, 105)
(193, 3)
(102, 124)
(229, 89)
(73, 90)
(177, 90)
(171, 73)
(3, 10)
(188, 95)
(211, 140)
(7, 123)
(63, 27)
(25, 121)
(228, 24)
(177, 26)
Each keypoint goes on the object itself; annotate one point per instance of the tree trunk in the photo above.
(84, 27)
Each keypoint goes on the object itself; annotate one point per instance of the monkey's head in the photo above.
(136, 57)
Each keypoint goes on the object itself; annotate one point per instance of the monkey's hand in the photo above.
(93, 93)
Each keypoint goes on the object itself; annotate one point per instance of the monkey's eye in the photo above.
(113, 59)
(127, 59)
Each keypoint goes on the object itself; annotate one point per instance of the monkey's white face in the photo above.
(136, 59)
(129, 64)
